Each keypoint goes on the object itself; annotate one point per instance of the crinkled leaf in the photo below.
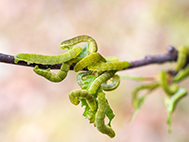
(110, 114)
(170, 103)
(87, 81)
(87, 112)
(84, 51)
(137, 103)
(136, 78)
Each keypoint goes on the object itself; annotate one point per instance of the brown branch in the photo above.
(156, 59)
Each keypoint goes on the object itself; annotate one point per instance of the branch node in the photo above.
(171, 49)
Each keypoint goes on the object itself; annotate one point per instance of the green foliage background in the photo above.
(34, 109)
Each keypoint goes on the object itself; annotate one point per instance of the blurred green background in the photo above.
(33, 109)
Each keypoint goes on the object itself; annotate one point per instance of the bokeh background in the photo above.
(33, 109)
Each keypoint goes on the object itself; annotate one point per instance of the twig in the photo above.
(156, 59)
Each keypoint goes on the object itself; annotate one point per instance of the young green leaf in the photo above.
(171, 102)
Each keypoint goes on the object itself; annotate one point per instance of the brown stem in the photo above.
(156, 59)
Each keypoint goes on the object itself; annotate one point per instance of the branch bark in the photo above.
(155, 59)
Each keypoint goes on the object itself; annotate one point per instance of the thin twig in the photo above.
(156, 59)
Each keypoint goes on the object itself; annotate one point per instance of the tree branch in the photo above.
(156, 59)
